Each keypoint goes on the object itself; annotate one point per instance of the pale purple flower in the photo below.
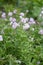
(31, 19)
(26, 26)
(10, 14)
(15, 25)
(1, 38)
(12, 19)
(21, 14)
(24, 20)
(31, 22)
(41, 31)
(3, 15)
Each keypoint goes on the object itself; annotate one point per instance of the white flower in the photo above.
(15, 25)
(40, 31)
(21, 17)
(1, 38)
(27, 11)
(15, 11)
(21, 14)
(38, 62)
(10, 14)
(3, 15)
(41, 12)
(26, 26)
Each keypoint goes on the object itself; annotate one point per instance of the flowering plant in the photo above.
(21, 37)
